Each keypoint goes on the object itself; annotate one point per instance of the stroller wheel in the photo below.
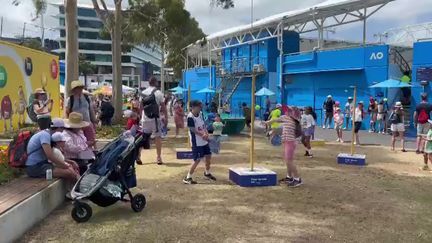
(81, 212)
(138, 202)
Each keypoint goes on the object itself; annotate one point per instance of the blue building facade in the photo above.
(308, 78)
(421, 71)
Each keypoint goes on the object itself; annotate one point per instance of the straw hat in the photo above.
(77, 84)
(39, 91)
(75, 121)
(398, 104)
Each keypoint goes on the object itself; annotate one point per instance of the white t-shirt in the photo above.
(198, 123)
(159, 99)
(58, 155)
(358, 115)
(307, 121)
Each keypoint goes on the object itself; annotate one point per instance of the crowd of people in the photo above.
(66, 146)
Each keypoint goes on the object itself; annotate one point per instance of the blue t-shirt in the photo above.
(35, 152)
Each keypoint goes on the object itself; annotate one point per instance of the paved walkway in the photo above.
(365, 138)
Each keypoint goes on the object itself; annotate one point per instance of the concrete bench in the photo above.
(26, 201)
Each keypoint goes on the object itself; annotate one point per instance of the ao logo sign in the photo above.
(376, 56)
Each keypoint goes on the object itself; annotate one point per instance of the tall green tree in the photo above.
(164, 24)
(113, 21)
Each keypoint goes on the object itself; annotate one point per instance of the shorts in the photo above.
(308, 131)
(289, 149)
(199, 152)
(214, 144)
(39, 170)
(422, 129)
(338, 127)
(90, 132)
(399, 127)
(153, 126)
(357, 126)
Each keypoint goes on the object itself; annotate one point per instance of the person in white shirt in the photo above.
(307, 123)
(358, 120)
(153, 125)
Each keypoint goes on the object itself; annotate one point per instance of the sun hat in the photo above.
(361, 102)
(337, 103)
(75, 121)
(350, 98)
(76, 84)
(57, 123)
(58, 137)
(398, 104)
(278, 105)
(39, 91)
(329, 96)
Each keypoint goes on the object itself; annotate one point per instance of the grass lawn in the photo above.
(387, 201)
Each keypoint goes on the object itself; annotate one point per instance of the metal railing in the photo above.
(241, 65)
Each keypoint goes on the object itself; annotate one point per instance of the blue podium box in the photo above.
(184, 153)
(348, 159)
(244, 177)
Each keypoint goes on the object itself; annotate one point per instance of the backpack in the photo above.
(71, 102)
(150, 106)
(394, 118)
(17, 150)
(423, 116)
(30, 111)
(298, 129)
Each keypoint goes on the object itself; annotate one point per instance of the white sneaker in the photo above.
(342, 141)
(328, 127)
(338, 140)
(355, 143)
(324, 127)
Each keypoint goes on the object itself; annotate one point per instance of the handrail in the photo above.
(332, 49)
(400, 60)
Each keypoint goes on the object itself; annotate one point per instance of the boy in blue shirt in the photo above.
(199, 140)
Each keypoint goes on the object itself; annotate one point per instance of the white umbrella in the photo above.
(264, 92)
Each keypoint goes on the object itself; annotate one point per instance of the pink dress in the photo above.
(179, 116)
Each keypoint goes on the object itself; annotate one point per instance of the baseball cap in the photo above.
(329, 96)
(58, 137)
(57, 123)
(278, 105)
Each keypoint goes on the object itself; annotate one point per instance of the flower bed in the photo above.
(7, 173)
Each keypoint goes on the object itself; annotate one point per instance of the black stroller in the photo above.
(109, 179)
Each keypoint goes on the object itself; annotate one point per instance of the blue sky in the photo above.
(396, 14)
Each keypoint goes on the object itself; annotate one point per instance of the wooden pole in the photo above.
(252, 142)
(353, 121)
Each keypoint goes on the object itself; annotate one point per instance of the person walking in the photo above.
(107, 112)
(289, 123)
(81, 103)
(153, 102)
(179, 116)
(338, 124)
(397, 125)
(358, 120)
(247, 114)
(373, 111)
(328, 107)
(349, 106)
(307, 123)
(199, 140)
(421, 117)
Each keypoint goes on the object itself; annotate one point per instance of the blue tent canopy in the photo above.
(264, 92)
(391, 83)
(205, 91)
(178, 89)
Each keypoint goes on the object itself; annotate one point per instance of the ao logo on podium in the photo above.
(376, 56)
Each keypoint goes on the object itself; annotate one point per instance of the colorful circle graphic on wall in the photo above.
(3, 76)
(54, 69)
(28, 66)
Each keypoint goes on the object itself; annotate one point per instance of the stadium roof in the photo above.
(324, 15)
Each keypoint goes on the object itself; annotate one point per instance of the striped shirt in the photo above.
(288, 128)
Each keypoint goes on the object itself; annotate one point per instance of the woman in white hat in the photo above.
(81, 103)
(42, 108)
(397, 126)
(77, 147)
